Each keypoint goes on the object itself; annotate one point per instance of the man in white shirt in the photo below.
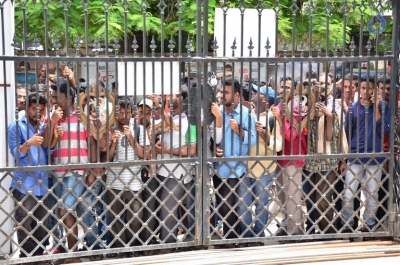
(173, 176)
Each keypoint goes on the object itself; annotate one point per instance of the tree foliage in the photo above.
(337, 20)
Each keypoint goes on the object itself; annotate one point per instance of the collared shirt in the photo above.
(233, 145)
(323, 165)
(35, 181)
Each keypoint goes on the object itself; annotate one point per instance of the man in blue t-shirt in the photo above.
(366, 124)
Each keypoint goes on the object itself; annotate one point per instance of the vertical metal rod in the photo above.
(393, 102)
(3, 52)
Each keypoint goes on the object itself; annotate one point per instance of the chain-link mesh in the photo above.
(130, 130)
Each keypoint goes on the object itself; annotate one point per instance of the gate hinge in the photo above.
(392, 217)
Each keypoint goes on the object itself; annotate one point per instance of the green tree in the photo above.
(342, 17)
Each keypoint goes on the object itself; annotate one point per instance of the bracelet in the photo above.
(27, 144)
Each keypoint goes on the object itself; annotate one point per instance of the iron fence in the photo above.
(137, 127)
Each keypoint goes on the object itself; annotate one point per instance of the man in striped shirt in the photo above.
(72, 149)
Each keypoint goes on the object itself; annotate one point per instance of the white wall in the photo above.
(6, 204)
(166, 78)
(250, 30)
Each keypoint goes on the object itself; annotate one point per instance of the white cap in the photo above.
(147, 101)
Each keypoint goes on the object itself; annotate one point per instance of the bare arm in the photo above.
(183, 152)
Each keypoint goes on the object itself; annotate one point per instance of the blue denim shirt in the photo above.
(237, 147)
(37, 180)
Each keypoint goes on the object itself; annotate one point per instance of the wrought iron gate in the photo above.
(181, 176)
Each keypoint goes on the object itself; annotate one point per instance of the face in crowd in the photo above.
(125, 115)
(350, 88)
(147, 115)
(258, 99)
(231, 99)
(43, 72)
(384, 89)
(21, 98)
(285, 84)
(32, 112)
(324, 82)
(366, 90)
(176, 101)
(62, 101)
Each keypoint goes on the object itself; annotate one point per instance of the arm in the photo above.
(218, 122)
(276, 139)
(22, 148)
(132, 143)
(115, 136)
(183, 152)
(262, 133)
(53, 119)
(251, 131)
(347, 127)
(12, 142)
(329, 119)
(48, 133)
(386, 121)
(219, 133)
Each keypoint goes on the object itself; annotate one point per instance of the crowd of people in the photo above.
(295, 137)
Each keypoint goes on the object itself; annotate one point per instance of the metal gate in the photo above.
(153, 126)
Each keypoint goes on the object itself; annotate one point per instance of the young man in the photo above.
(350, 91)
(365, 122)
(21, 99)
(72, 150)
(148, 234)
(254, 187)
(42, 75)
(25, 143)
(173, 176)
(238, 135)
(323, 138)
(124, 196)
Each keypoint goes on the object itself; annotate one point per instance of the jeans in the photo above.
(254, 191)
(370, 176)
(69, 198)
(320, 199)
(291, 176)
(149, 233)
(52, 224)
(85, 211)
(27, 216)
(227, 199)
(171, 193)
(125, 229)
(190, 197)
(306, 189)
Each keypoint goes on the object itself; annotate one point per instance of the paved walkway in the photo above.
(327, 253)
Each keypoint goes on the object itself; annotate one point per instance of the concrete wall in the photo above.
(7, 115)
